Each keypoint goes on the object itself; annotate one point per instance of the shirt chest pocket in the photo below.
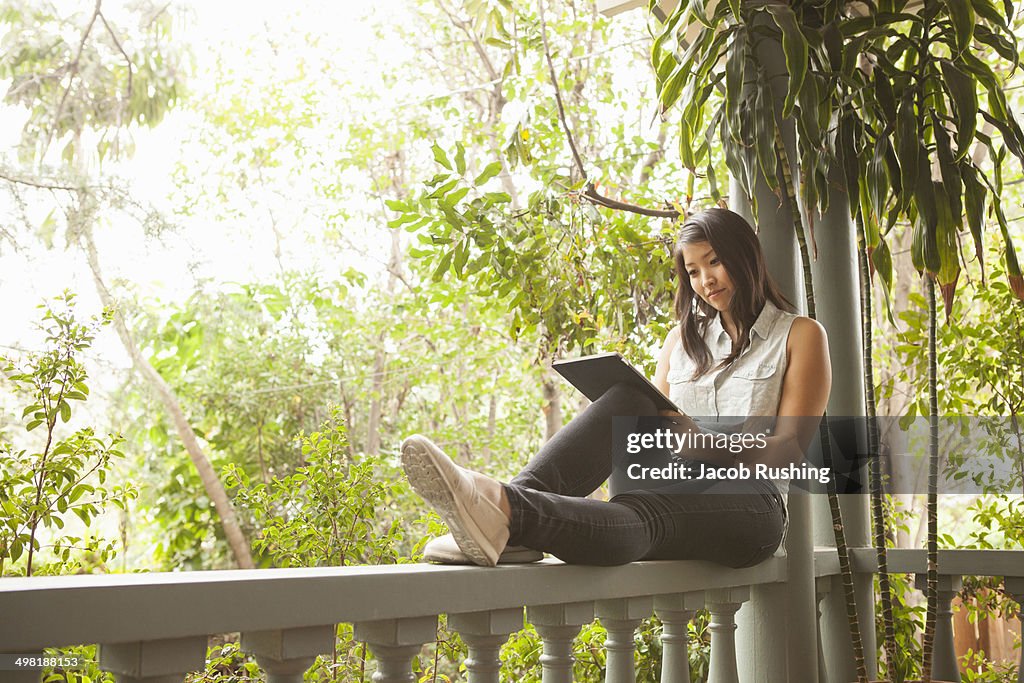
(752, 389)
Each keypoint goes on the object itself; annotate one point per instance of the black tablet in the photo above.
(594, 375)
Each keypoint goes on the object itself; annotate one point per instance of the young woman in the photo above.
(739, 351)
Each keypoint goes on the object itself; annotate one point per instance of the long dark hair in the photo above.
(738, 249)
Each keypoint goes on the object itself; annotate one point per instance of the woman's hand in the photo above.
(681, 423)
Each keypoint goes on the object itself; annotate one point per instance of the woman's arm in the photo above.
(661, 371)
(807, 384)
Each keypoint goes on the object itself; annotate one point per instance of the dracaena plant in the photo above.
(899, 88)
(885, 98)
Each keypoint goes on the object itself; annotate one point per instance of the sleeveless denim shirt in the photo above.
(750, 387)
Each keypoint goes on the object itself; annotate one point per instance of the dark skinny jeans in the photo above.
(734, 523)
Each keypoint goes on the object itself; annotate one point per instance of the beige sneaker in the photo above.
(444, 550)
(479, 527)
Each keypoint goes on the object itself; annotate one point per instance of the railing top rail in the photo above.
(64, 610)
(954, 562)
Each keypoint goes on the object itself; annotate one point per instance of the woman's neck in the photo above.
(729, 324)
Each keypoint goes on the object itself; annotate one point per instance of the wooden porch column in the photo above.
(778, 624)
(838, 304)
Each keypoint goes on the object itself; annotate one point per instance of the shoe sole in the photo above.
(516, 556)
(428, 480)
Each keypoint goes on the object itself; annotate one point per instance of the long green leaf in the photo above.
(974, 203)
(961, 13)
(1003, 47)
(832, 39)
(795, 48)
(697, 10)
(924, 252)
(885, 96)
(892, 167)
(808, 115)
(988, 11)
(851, 163)
(735, 67)
(951, 181)
(946, 245)
(908, 144)
(963, 91)
(686, 144)
(764, 138)
(878, 181)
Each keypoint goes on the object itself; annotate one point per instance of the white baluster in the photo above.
(485, 633)
(675, 612)
(723, 603)
(394, 643)
(620, 618)
(557, 626)
(286, 654)
(822, 587)
(944, 665)
(154, 661)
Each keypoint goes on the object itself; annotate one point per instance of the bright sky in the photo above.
(239, 36)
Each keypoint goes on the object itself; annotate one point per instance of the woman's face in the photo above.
(708, 276)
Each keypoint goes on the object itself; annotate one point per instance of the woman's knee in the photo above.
(627, 399)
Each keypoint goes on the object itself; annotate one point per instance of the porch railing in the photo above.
(155, 626)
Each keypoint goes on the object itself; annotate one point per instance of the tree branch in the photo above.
(37, 184)
(592, 195)
(558, 92)
(72, 68)
(117, 43)
(473, 38)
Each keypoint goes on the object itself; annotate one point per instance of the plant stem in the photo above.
(933, 475)
(874, 463)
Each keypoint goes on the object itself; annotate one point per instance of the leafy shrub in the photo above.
(56, 473)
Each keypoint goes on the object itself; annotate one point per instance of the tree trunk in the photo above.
(237, 541)
(552, 404)
(377, 400)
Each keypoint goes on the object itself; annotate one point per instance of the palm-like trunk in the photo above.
(874, 464)
(933, 481)
(842, 549)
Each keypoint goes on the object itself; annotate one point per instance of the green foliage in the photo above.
(508, 219)
(520, 656)
(976, 668)
(324, 513)
(980, 354)
(74, 73)
(908, 619)
(226, 663)
(877, 98)
(556, 265)
(58, 473)
(89, 672)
